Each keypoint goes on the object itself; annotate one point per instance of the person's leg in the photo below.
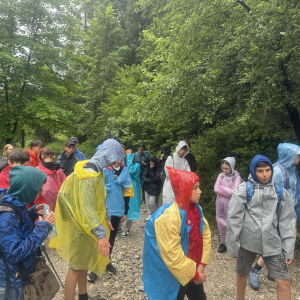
(241, 283)
(195, 291)
(115, 221)
(147, 198)
(181, 293)
(82, 282)
(221, 222)
(283, 289)
(71, 282)
(152, 204)
(128, 224)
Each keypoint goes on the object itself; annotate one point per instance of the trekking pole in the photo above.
(48, 258)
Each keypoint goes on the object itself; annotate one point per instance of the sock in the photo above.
(83, 296)
(257, 267)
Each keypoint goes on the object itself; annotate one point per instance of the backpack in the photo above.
(250, 192)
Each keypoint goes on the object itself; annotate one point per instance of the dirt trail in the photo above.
(127, 283)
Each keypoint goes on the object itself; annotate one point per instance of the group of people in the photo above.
(91, 198)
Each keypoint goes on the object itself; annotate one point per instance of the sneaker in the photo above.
(222, 248)
(270, 278)
(92, 277)
(126, 232)
(254, 279)
(111, 269)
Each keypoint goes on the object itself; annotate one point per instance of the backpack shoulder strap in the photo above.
(7, 207)
(279, 192)
(249, 190)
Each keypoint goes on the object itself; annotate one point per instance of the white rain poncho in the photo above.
(176, 162)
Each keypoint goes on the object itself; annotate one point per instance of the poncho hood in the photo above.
(110, 151)
(257, 159)
(182, 183)
(287, 154)
(180, 145)
(25, 183)
(231, 161)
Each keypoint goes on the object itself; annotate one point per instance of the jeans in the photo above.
(14, 293)
(151, 203)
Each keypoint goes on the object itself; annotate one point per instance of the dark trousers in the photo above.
(115, 221)
(192, 291)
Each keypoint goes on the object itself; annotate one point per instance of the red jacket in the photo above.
(4, 178)
(34, 160)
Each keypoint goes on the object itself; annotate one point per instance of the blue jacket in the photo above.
(19, 242)
(78, 154)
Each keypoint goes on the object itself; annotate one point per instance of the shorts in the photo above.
(275, 264)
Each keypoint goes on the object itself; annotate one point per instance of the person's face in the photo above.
(117, 164)
(226, 169)
(129, 151)
(196, 192)
(141, 150)
(37, 150)
(263, 174)
(181, 152)
(152, 164)
(297, 159)
(70, 149)
(9, 150)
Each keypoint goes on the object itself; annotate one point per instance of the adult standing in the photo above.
(78, 154)
(142, 158)
(191, 158)
(8, 149)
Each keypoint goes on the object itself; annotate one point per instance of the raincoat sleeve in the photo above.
(59, 160)
(287, 225)
(126, 182)
(15, 248)
(167, 231)
(221, 190)
(235, 217)
(169, 163)
(206, 243)
(278, 176)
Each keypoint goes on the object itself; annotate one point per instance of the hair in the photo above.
(262, 164)
(36, 143)
(48, 153)
(123, 146)
(5, 149)
(188, 143)
(141, 145)
(19, 156)
(225, 162)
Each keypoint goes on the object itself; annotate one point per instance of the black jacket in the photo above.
(67, 163)
(152, 182)
(192, 161)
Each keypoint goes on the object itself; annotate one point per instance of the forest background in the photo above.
(223, 73)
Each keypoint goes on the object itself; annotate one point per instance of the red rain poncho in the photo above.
(4, 178)
(55, 179)
(34, 160)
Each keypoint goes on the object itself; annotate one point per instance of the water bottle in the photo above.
(47, 212)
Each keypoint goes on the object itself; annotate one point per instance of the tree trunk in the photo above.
(294, 115)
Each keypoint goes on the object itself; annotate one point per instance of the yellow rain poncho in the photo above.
(77, 213)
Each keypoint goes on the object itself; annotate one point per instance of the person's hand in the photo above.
(233, 187)
(162, 156)
(200, 269)
(202, 278)
(104, 245)
(288, 261)
(39, 209)
(50, 218)
(109, 225)
(123, 219)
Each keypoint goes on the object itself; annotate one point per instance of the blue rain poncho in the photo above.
(135, 202)
(285, 172)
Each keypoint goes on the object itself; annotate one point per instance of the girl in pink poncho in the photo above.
(225, 186)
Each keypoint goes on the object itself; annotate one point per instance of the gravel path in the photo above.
(127, 283)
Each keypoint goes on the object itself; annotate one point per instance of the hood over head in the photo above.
(257, 159)
(180, 145)
(231, 161)
(25, 183)
(110, 151)
(182, 183)
(287, 154)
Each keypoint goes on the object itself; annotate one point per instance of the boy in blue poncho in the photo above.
(286, 175)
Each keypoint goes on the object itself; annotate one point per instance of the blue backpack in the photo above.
(250, 192)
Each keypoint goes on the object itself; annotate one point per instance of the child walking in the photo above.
(225, 186)
(177, 244)
(262, 220)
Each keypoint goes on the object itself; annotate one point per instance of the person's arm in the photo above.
(14, 247)
(145, 177)
(186, 165)
(235, 217)
(278, 176)
(59, 160)
(206, 244)
(287, 225)
(221, 190)
(32, 213)
(193, 163)
(167, 231)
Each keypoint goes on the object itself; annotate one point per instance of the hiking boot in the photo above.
(92, 277)
(126, 232)
(111, 269)
(270, 278)
(222, 248)
(254, 279)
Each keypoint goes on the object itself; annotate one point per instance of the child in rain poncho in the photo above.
(176, 161)
(177, 244)
(225, 186)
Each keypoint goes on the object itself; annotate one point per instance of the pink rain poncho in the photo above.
(223, 189)
(55, 179)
